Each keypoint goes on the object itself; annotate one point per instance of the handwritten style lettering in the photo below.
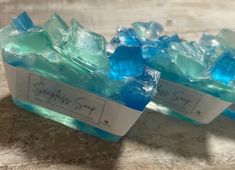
(80, 105)
(52, 95)
(173, 96)
(56, 96)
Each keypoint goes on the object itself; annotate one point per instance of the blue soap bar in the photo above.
(206, 66)
(75, 56)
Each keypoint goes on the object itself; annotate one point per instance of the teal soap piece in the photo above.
(57, 30)
(155, 54)
(43, 65)
(147, 30)
(192, 58)
(22, 36)
(86, 48)
(226, 38)
(210, 40)
(31, 42)
(34, 41)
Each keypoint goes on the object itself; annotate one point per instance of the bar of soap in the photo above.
(77, 56)
(205, 65)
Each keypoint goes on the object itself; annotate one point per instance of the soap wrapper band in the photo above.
(196, 105)
(101, 113)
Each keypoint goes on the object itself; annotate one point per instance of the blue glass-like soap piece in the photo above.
(22, 22)
(138, 92)
(125, 36)
(134, 95)
(126, 61)
(147, 30)
(224, 69)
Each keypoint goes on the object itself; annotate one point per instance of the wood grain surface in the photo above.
(156, 141)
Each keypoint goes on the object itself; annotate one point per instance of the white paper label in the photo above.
(189, 102)
(99, 112)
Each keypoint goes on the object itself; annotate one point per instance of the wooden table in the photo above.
(156, 141)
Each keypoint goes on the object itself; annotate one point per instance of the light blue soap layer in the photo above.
(229, 113)
(66, 120)
(167, 111)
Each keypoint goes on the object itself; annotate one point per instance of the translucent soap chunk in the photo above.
(125, 36)
(126, 61)
(164, 41)
(224, 69)
(226, 38)
(43, 65)
(147, 30)
(209, 40)
(22, 22)
(57, 30)
(138, 92)
(192, 58)
(86, 48)
(30, 42)
(23, 37)
(157, 56)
